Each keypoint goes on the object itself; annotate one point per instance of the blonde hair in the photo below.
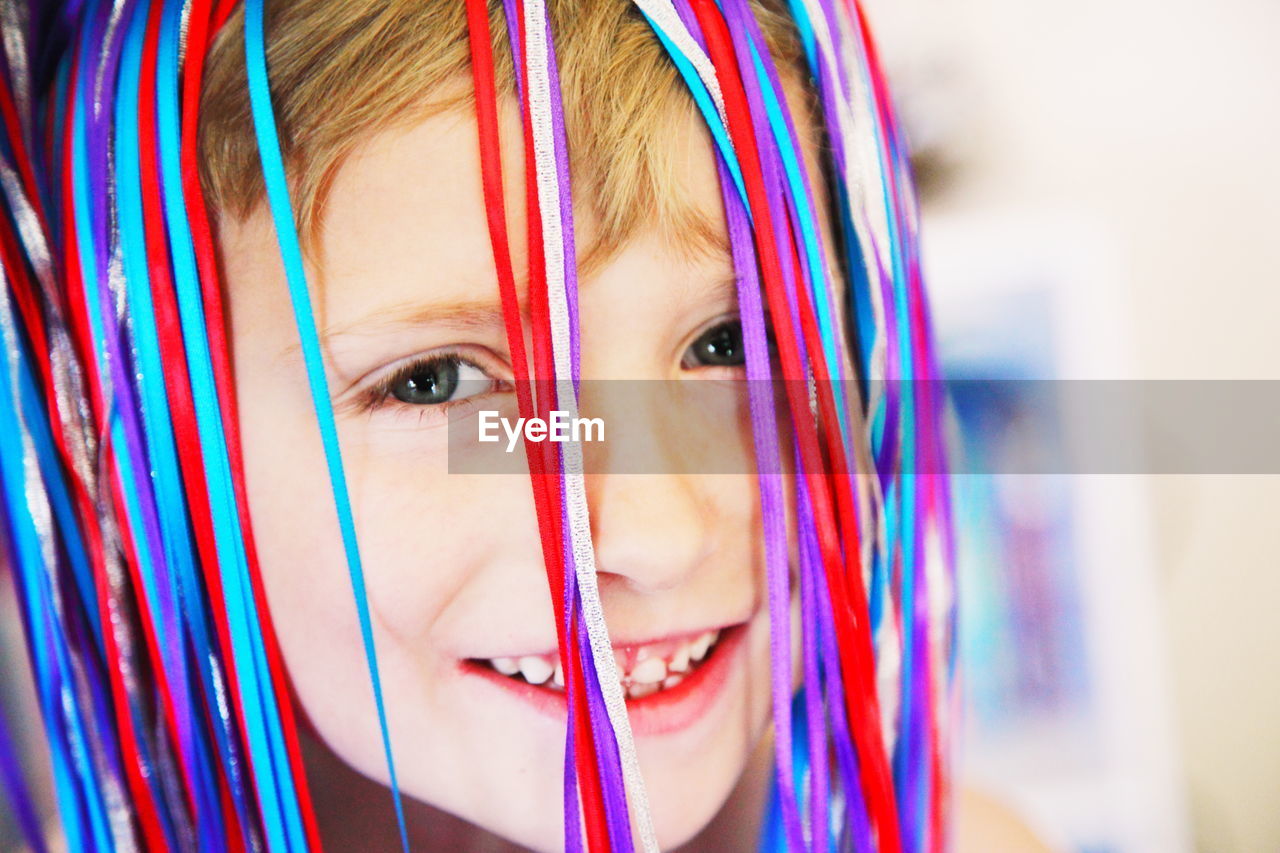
(342, 71)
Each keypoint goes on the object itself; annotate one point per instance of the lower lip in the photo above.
(667, 711)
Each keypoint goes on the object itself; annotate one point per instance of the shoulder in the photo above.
(984, 824)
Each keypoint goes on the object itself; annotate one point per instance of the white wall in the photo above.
(1158, 125)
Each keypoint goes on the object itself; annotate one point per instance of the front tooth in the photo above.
(671, 681)
(702, 645)
(506, 666)
(649, 671)
(557, 677)
(639, 691)
(680, 661)
(535, 669)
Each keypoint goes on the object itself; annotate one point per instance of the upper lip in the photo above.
(621, 643)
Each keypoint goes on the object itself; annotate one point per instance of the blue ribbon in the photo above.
(291, 253)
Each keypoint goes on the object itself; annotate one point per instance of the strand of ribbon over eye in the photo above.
(598, 766)
(833, 519)
(554, 334)
(678, 31)
(680, 25)
(555, 214)
(583, 731)
(873, 337)
(133, 551)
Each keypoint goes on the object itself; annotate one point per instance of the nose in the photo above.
(651, 531)
(651, 519)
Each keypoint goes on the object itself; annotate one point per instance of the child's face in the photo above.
(404, 272)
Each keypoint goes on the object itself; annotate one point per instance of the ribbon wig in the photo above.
(166, 706)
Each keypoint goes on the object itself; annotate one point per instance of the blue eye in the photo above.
(719, 346)
(436, 381)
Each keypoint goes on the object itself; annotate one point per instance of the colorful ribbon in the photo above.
(122, 478)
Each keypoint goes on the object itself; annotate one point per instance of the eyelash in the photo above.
(382, 393)
(771, 342)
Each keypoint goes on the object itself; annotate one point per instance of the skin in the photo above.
(452, 562)
(403, 270)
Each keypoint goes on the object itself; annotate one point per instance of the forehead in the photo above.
(405, 229)
(412, 196)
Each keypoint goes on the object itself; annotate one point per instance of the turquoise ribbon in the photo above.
(291, 254)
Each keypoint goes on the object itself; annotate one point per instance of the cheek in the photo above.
(428, 541)
(301, 558)
(448, 557)
(453, 568)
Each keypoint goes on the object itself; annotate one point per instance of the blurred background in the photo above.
(1100, 193)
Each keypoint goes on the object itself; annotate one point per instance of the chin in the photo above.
(695, 736)
(686, 797)
(697, 700)
(684, 828)
(675, 824)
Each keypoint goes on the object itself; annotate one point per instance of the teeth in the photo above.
(648, 675)
(535, 669)
(702, 645)
(649, 671)
(506, 666)
(639, 691)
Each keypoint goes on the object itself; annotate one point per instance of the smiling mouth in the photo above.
(644, 669)
(668, 684)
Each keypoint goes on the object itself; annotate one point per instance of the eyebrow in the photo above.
(463, 315)
(473, 315)
(460, 314)
(723, 289)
